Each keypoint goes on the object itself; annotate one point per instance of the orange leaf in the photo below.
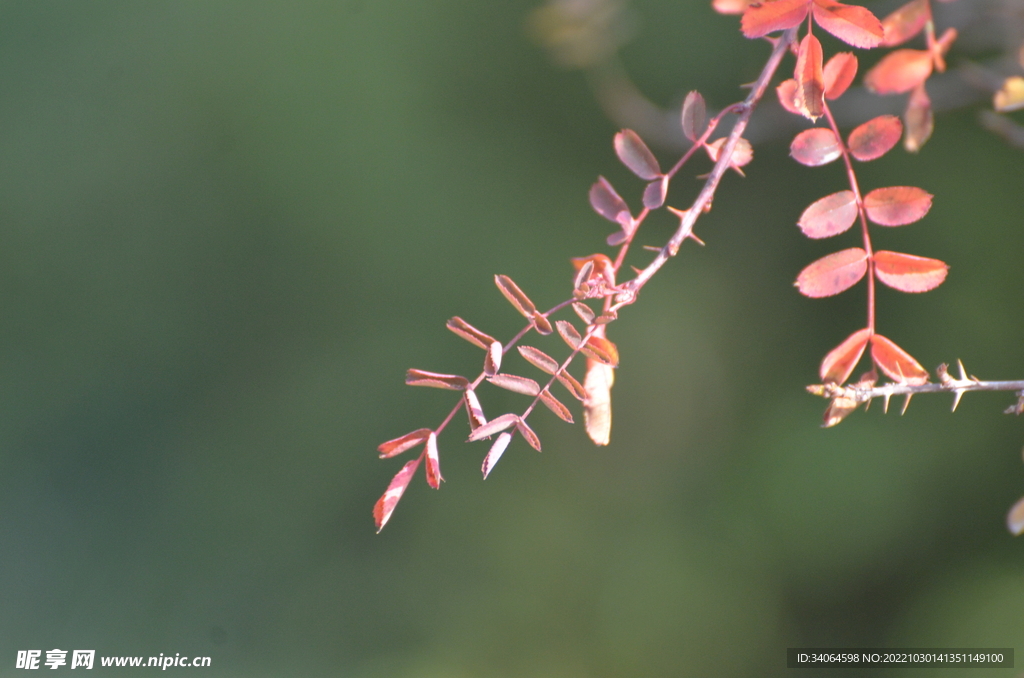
(899, 71)
(814, 147)
(810, 84)
(840, 361)
(787, 95)
(875, 138)
(897, 364)
(434, 478)
(905, 22)
(601, 349)
(1010, 96)
(830, 215)
(918, 119)
(403, 443)
(763, 18)
(839, 73)
(852, 24)
(909, 273)
(833, 274)
(384, 507)
(897, 205)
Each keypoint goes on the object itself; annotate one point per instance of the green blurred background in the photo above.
(229, 227)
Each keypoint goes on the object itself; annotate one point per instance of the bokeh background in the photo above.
(229, 227)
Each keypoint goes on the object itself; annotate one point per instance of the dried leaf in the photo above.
(517, 384)
(452, 382)
(492, 361)
(1015, 518)
(585, 313)
(840, 361)
(838, 74)
(474, 410)
(905, 22)
(918, 120)
(875, 138)
(815, 147)
(833, 274)
(654, 194)
(528, 434)
(852, 24)
(385, 506)
(572, 385)
(694, 116)
(897, 205)
(787, 96)
(556, 406)
(829, 216)
(583, 274)
(569, 333)
(515, 296)
(606, 201)
(899, 71)
(494, 454)
(1010, 96)
(539, 359)
(635, 155)
(742, 152)
(763, 18)
(495, 425)
(810, 83)
(398, 445)
(897, 364)
(434, 478)
(603, 268)
(909, 273)
(838, 410)
(601, 349)
(541, 323)
(470, 333)
(597, 406)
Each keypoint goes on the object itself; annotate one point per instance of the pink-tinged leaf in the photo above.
(597, 406)
(897, 364)
(601, 349)
(852, 24)
(909, 273)
(897, 205)
(583, 274)
(556, 406)
(635, 155)
(899, 71)
(838, 74)
(905, 22)
(515, 296)
(787, 96)
(452, 382)
(568, 333)
(541, 323)
(572, 385)
(539, 359)
(403, 443)
(694, 116)
(838, 365)
(474, 409)
(654, 194)
(606, 201)
(496, 425)
(605, 318)
(730, 6)
(763, 18)
(918, 119)
(492, 361)
(833, 274)
(810, 83)
(434, 478)
(814, 147)
(585, 313)
(470, 333)
(528, 434)
(1015, 518)
(875, 138)
(494, 454)
(829, 216)
(385, 506)
(742, 153)
(517, 384)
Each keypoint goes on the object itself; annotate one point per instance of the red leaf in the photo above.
(897, 205)
(494, 454)
(606, 201)
(654, 194)
(839, 73)
(840, 361)
(833, 274)
(635, 155)
(814, 147)
(434, 478)
(452, 382)
(601, 349)
(829, 216)
(905, 22)
(853, 25)
(539, 359)
(875, 138)
(572, 385)
(470, 333)
(556, 406)
(492, 361)
(597, 406)
(694, 112)
(403, 443)
(897, 364)
(810, 84)
(515, 295)
(495, 425)
(787, 96)
(919, 120)
(386, 504)
(516, 384)
(908, 273)
(767, 17)
(569, 333)
(474, 410)
(528, 434)
(899, 71)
